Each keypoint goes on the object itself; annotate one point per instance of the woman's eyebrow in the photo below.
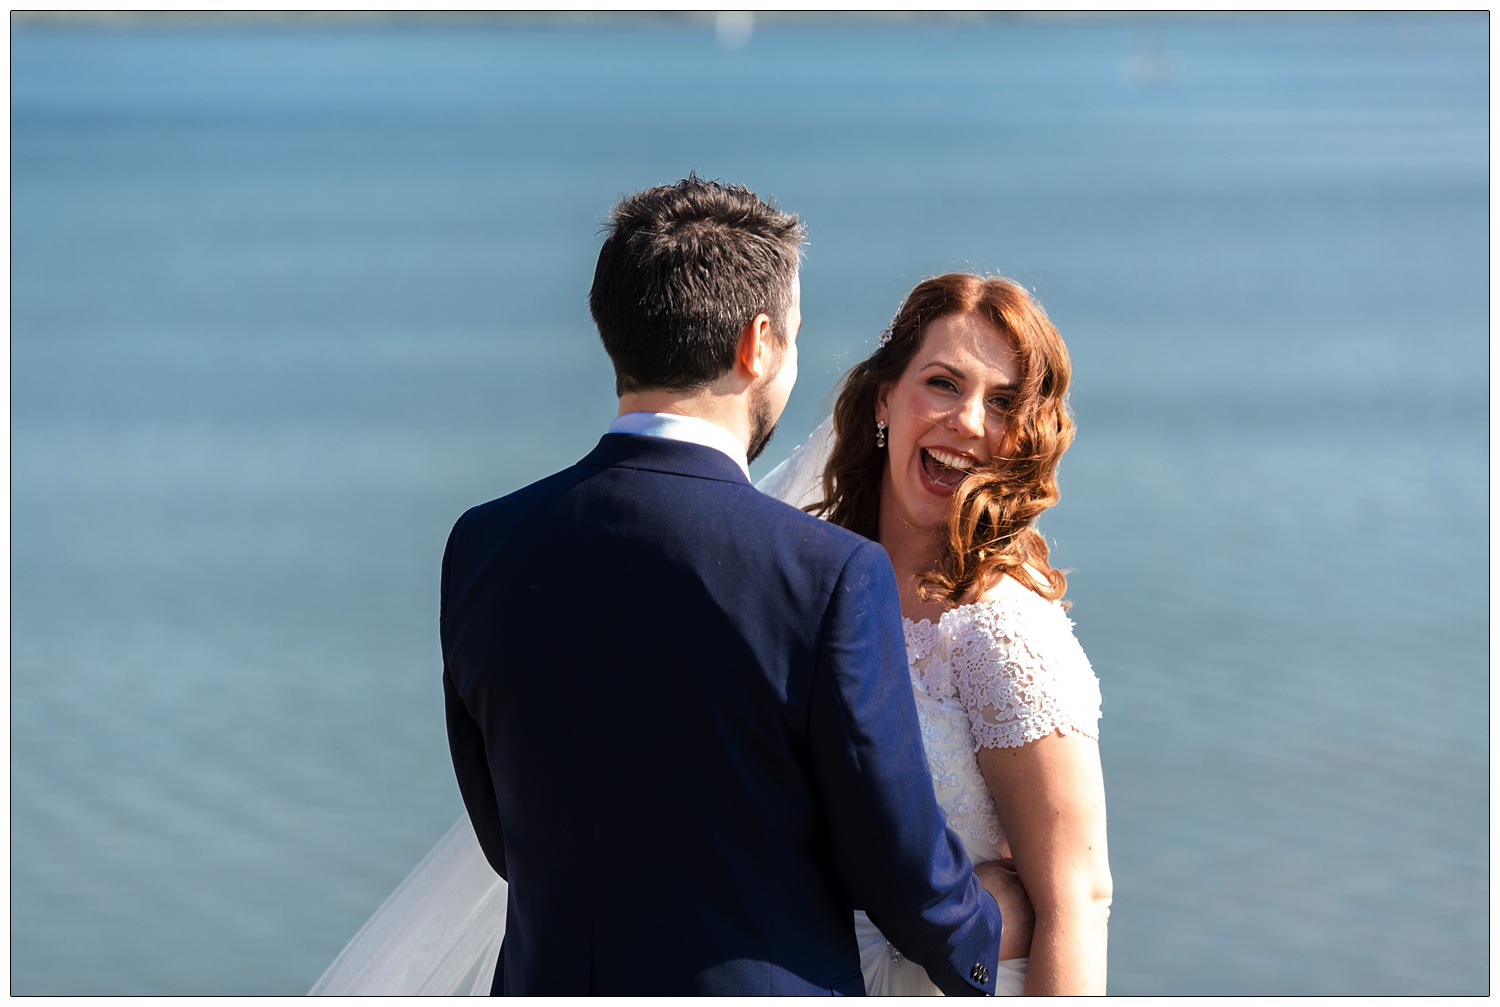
(957, 372)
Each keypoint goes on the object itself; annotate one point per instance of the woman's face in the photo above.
(946, 413)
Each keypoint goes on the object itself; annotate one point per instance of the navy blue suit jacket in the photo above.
(682, 724)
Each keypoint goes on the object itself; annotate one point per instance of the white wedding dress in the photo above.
(995, 674)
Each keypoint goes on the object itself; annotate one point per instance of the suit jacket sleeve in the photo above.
(891, 847)
(466, 743)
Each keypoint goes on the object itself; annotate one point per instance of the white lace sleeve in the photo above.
(1021, 673)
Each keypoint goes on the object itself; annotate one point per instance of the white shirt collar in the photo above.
(683, 428)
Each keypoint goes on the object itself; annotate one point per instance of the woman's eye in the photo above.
(1000, 403)
(943, 383)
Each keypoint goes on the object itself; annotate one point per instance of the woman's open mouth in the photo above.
(944, 469)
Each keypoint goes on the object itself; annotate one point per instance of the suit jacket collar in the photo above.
(676, 427)
(658, 454)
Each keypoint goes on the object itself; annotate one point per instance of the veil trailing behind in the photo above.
(439, 933)
(799, 480)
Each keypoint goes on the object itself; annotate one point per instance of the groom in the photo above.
(678, 709)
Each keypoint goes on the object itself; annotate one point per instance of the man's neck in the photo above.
(726, 410)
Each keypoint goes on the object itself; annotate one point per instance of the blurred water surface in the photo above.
(285, 302)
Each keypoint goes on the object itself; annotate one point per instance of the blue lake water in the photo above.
(285, 302)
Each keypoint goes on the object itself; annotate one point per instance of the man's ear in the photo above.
(755, 355)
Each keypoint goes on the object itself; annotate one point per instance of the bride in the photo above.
(943, 447)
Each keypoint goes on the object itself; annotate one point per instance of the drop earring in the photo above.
(880, 433)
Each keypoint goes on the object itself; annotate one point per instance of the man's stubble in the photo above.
(762, 424)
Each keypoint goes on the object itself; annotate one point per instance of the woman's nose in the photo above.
(968, 416)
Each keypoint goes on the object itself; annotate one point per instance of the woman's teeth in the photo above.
(952, 461)
(945, 469)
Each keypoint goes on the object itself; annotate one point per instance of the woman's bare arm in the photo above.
(1050, 796)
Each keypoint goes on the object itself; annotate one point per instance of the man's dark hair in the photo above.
(684, 267)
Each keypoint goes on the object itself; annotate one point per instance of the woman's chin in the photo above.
(922, 503)
(927, 506)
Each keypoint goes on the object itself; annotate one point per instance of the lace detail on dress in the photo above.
(995, 674)
(1020, 671)
(948, 739)
(931, 677)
